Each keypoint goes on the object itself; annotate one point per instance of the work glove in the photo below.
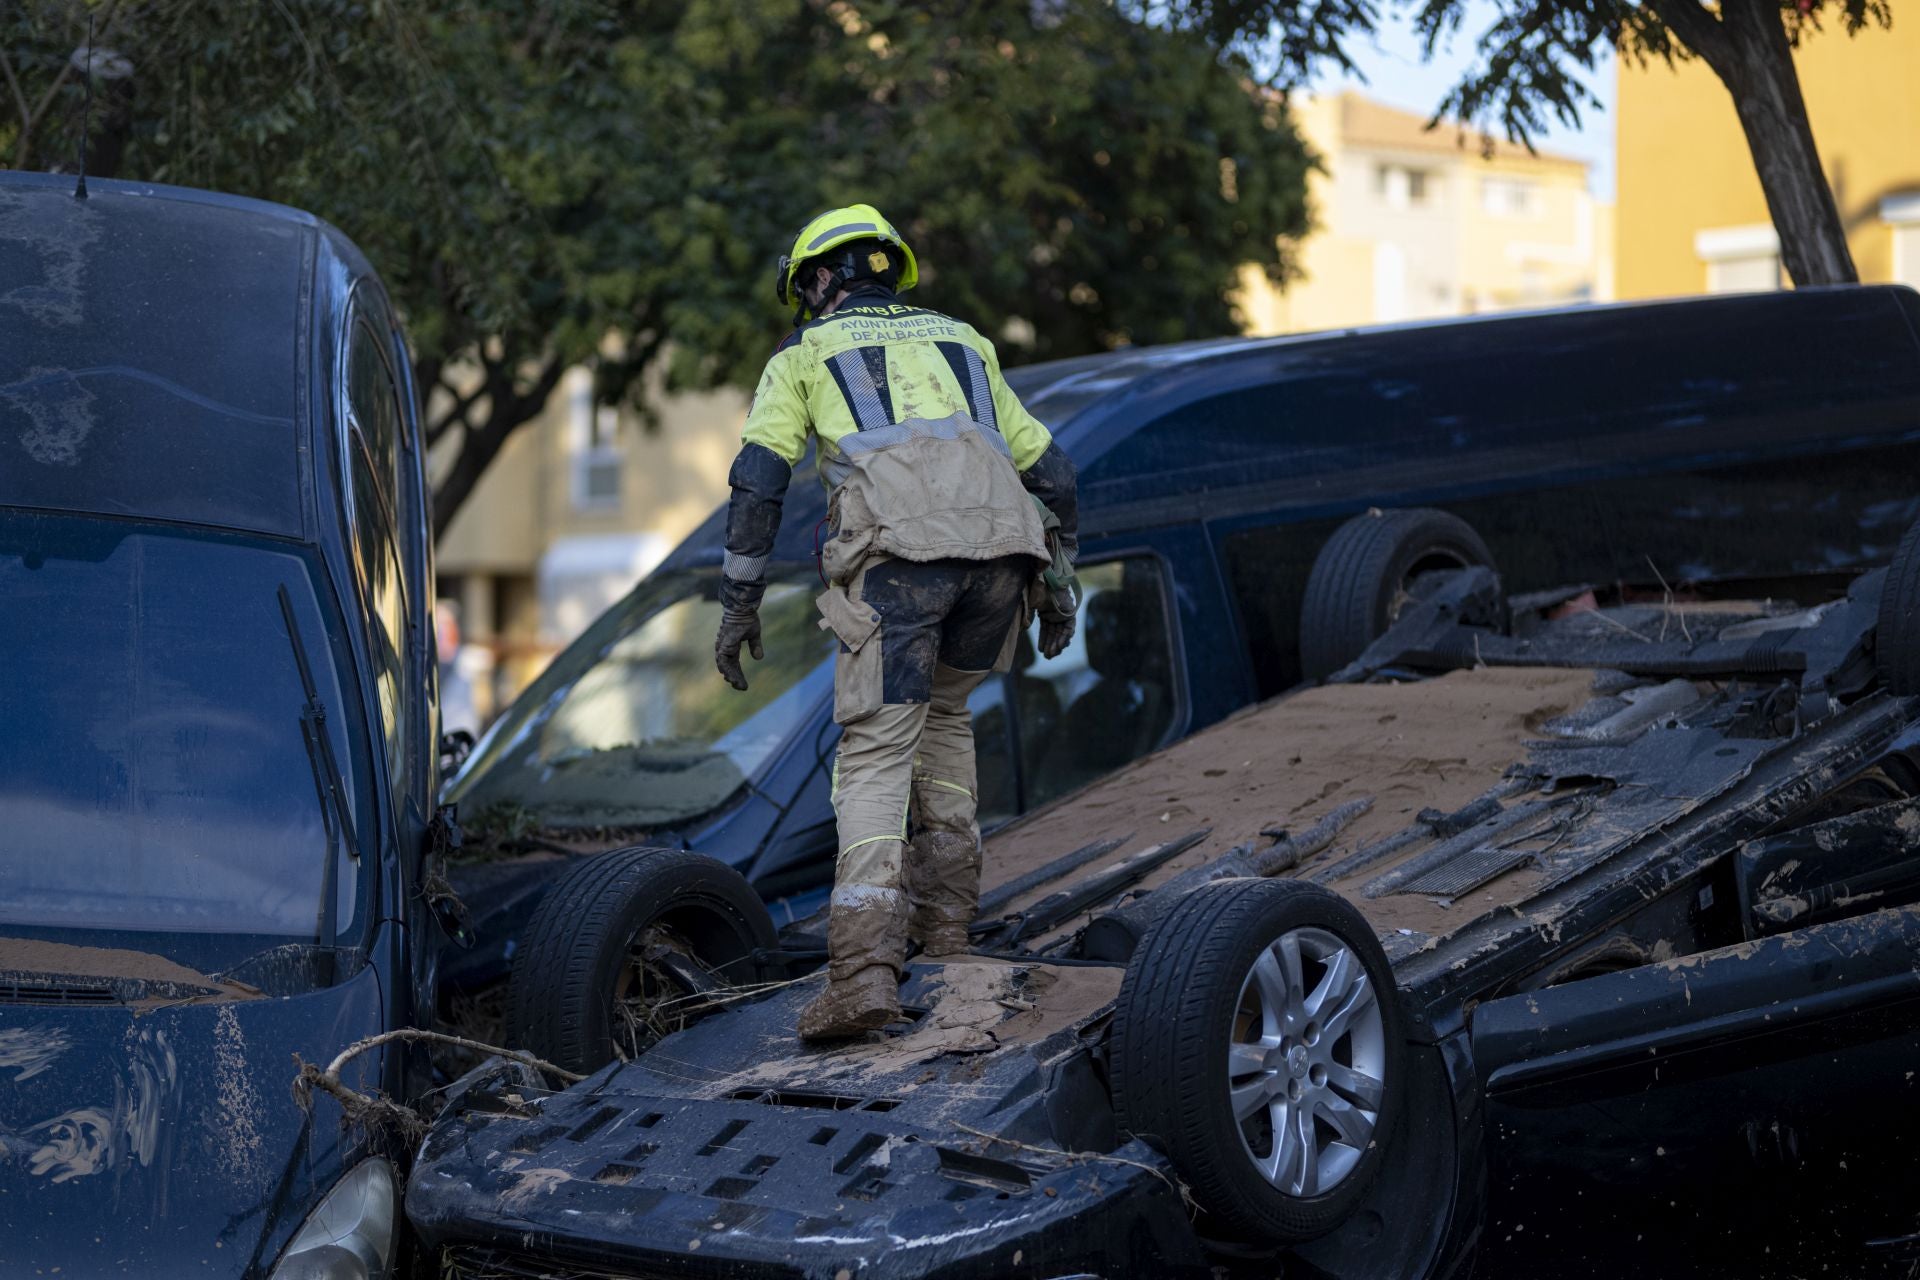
(1055, 592)
(1056, 633)
(738, 625)
(1057, 604)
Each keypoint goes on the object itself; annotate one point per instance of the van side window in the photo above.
(1108, 699)
(1310, 424)
(373, 480)
(375, 405)
(1410, 399)
(1113, 686)
(997, 788)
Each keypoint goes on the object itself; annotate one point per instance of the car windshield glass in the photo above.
(631, 727)
(153, 773)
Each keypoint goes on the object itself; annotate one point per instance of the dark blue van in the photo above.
(1668, 445)
(217, 734)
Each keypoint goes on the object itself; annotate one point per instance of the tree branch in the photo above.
(508, 411)
(460, 411)
(535, 398)
(1699, 29)
(426, 376)
(20, 100)
(31, 119)
(46, 99)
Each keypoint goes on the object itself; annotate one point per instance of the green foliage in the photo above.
(530, 179)
(1291, 39)
(1101, 181)
(1530, 57)
(1533, 54)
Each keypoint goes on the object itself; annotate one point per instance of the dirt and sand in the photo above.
(1427, 744)
(977, 1005)
(59, 959)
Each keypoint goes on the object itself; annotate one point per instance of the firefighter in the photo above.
(951, 513)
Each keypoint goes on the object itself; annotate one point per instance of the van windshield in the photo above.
(632, 728)
(153, 773)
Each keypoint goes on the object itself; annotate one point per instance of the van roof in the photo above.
(1058, 391)
(155, 353)
(1592, 353)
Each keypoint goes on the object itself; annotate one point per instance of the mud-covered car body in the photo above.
(1640, 874)
(1702, 439)
(217, 762)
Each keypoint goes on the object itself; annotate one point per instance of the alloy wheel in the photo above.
(1307, 1063)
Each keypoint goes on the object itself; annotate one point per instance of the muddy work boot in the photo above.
(943, 879)
(867, 1001)
(944, 940)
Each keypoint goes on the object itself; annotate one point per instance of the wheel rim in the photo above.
(1306, 1065)
(1437, 560)
(647, 1003)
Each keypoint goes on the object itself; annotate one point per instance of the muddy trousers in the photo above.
(944, 625)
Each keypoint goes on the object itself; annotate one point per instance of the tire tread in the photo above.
(554, 1005)
(1337, 615)
(1160, 1044)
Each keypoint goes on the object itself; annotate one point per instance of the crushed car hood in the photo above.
(163, 1139)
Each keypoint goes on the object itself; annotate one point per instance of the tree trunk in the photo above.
(478, 448)
(480, 444)
(1747, 48)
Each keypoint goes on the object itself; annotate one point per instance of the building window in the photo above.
(1902, 213)
(1740, 259)
(1401, 187)
(593, 441)
(1510, 197)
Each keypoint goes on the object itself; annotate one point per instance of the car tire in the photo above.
(1191, 992)
(1364, 574)
(1896, 644)
(579, 960)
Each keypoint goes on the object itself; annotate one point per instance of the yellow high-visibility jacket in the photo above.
(928, 454)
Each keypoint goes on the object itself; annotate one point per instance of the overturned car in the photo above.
(1536, 883)
(1707, 439)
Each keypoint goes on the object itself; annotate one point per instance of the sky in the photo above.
(1396, 75)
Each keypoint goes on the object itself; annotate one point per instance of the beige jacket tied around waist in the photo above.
(926, 490)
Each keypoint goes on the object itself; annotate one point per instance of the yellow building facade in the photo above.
(1691, 216)
(579, 505)
(1412, 223)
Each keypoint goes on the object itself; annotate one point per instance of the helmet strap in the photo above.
(840, 275)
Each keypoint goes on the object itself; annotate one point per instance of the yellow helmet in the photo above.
(832, 229)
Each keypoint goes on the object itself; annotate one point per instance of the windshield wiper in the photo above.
(326, 776)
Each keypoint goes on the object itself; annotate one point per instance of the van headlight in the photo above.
(349, 1235)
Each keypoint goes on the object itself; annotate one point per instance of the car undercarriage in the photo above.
(1522, 887)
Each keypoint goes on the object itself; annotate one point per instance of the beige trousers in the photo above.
(917, 755)
(923, 634)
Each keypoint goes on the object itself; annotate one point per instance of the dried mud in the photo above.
(1427, 744)
(974, 1008)
(60, 959)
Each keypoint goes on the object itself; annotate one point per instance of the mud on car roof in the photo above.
(1330, 968)
(154, 349)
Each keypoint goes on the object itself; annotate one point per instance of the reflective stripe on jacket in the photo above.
(921, 440)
